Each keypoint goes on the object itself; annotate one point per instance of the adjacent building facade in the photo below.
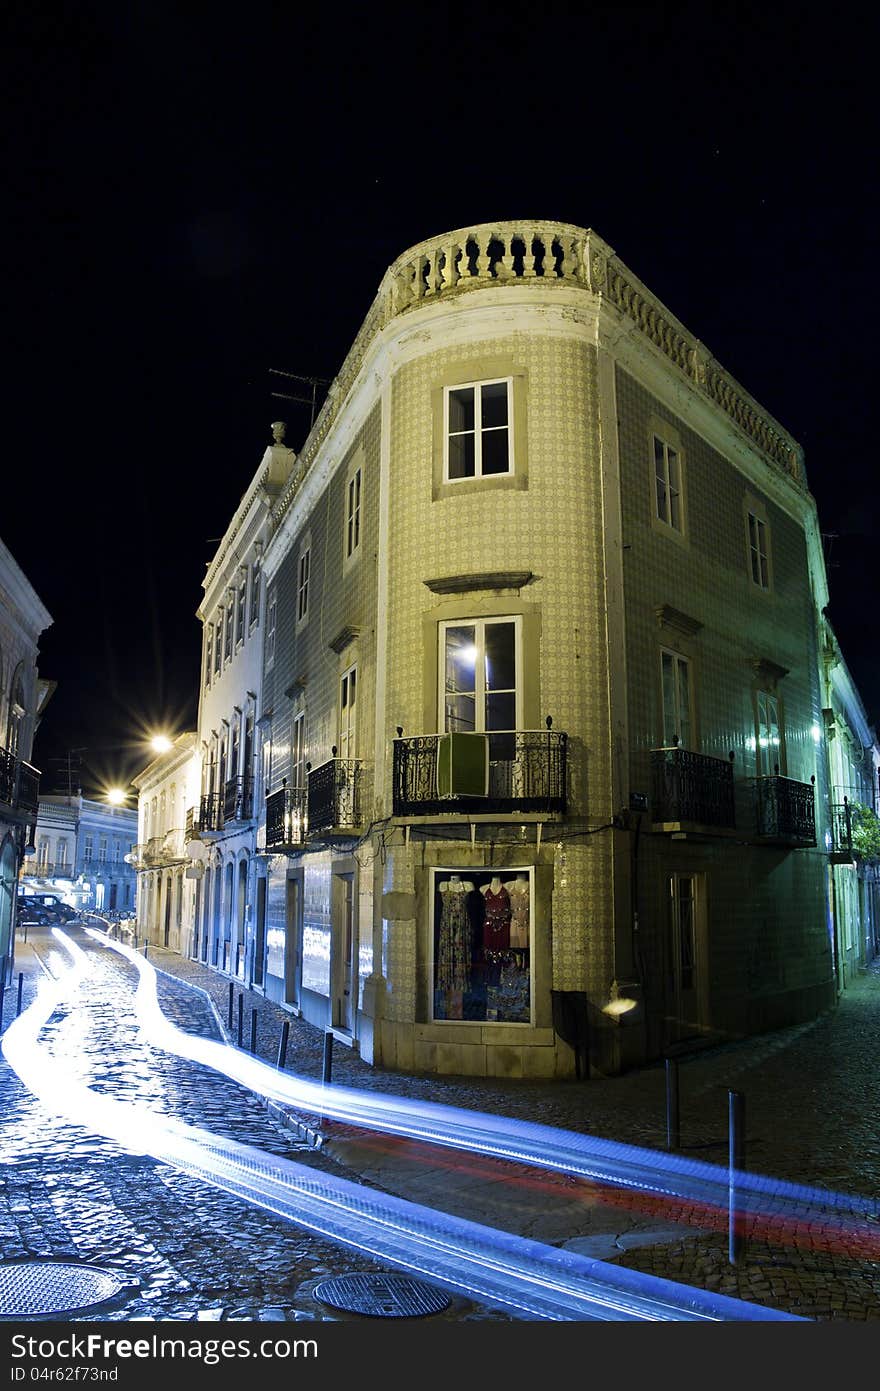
(168, 788)
(81, 852)
(23, 695)
(534, 710)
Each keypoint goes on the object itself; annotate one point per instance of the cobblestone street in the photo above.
(811, 1096)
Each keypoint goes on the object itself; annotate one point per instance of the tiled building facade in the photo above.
(542, 768)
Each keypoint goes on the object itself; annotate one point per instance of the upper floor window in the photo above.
(117, 852)
(271, 614)
(675, 673)
(668, 484)
(256, 583)
(218, 642)
(481, 675)
(88, 844)
(768, 731)
(348, 713)
(42, 854)
(298, 751)
(759, 550)
(61, 855)
(302, 582)
(102, 850)
(227, 641)
(240, 611)
(209, 651)
(353, 512)
(478, 430)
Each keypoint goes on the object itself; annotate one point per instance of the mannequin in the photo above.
(496, 926)
(454, 947)
(518, 890)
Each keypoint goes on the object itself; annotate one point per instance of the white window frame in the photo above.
(479, 625)
(229, 623)
(256, 581)
(299, 776)
(347, 722)
(209, 652)
(271, 625)
(354, 497)
(769, 735)
(89, 843)
(758, 542)
(680, 664)
(241, 613)
(303, 577)
(478, 430)
(664, 514)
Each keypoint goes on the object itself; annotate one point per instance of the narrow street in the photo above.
(192, 1252)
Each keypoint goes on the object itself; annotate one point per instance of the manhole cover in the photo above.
(388, 1296)
(40, 1289)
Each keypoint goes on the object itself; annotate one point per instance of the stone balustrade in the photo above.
(541, 254)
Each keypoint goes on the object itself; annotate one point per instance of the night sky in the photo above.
(192, 201)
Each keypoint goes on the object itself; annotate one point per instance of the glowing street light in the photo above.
(160, 743)
(116, 796)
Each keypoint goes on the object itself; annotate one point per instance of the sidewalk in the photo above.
(811, 1096)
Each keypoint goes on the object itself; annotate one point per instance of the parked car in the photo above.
(44, 908)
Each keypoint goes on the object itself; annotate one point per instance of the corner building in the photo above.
(541, 710)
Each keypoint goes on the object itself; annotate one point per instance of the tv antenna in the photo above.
(313, 382)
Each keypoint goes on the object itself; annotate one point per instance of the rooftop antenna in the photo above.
(313, 382)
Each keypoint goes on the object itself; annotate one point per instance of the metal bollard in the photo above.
(736, 1112)
(327, 1067)
(145, 950)
(253, 1029)
(240, 1018)
(231, 992)
(282, 1046)
(20, 987)
(2, 993)
(673, 1115)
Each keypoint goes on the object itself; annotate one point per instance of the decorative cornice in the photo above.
(668, 617)
(344, 637)
(768, 670)
(486, 579)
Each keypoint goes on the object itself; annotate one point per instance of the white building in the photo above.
(167, 882)
(23, 696)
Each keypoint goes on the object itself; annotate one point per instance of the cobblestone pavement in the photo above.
(811, 1098)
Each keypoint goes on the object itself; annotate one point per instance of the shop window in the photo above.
(479, 424)
(482, 945)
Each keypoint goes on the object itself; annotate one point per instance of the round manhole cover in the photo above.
(390, 1296)
(42, 1289)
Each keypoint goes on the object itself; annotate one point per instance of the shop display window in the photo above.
(482, 945)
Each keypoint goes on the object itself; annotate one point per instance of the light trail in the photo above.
(526, 1278)
(609, 1162)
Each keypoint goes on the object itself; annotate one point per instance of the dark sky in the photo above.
(191, 201)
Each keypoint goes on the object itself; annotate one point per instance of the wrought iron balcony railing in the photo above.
(286, 818)
(785, 810)
(238, 799)
(334, 797)
(211, 812)
(692, 787)
(526, 773)
(19, 784)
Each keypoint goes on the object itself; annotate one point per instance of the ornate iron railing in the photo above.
(286, 817)
(527, 773)
(785, 810)
(19, 784)
(692, 787)
(211, 812)
(334, 796)
(238, 799)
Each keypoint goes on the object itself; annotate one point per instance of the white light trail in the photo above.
(525, 1277)
(585, 1156)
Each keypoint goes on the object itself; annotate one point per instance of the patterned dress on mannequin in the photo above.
(496, 927)
(454, 942)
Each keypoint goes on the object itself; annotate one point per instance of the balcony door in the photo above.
(347, 744)
(480, 671)
(687, 954)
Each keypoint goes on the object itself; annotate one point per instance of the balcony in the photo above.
(172, 846)
(286, 819)
(691, 791)
(211, 814)
(526, 774)
(152, 852)
(785, 811)
(334, 799)
(19, 785)
(238, 800)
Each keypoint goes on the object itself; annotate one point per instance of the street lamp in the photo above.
(116, 796)
(160, 743)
